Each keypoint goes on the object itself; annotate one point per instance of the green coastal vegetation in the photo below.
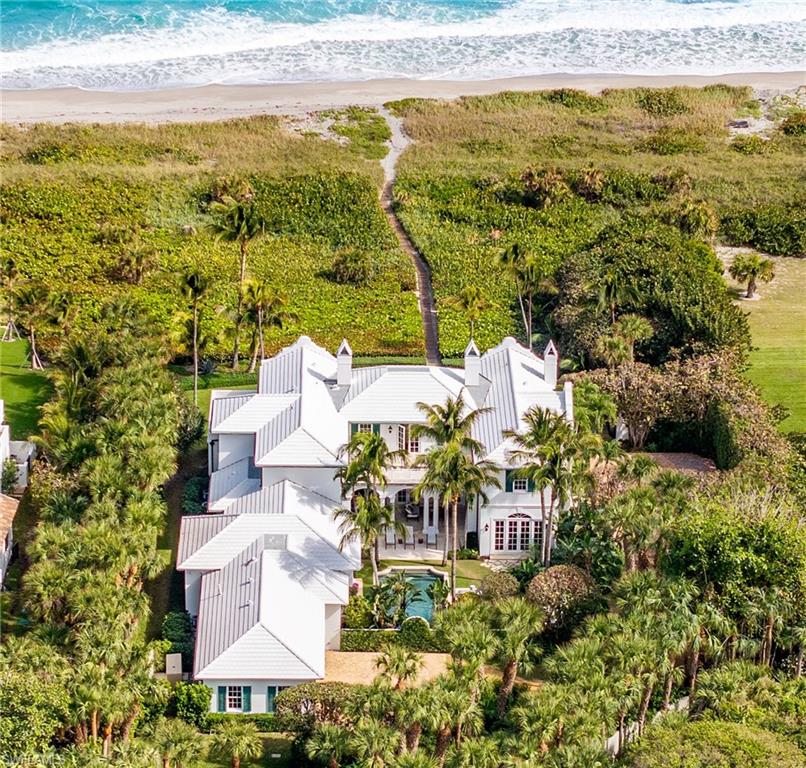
(661, 625)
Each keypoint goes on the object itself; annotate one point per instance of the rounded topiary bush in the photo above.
(564, 593)
(357, 613)
(499, 585)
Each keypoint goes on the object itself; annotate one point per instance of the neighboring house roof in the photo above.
(8, 511)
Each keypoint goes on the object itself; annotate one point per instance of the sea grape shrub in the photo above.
(795, 124)
(661, 102)
(565, 594)
(352, 267)
(777, 229)
(671, 141)
(676, 743)
(752, 145)
(499, 585)
(302, 707)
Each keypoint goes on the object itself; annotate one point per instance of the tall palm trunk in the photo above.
(621, 718)
(128, 723)
(260, 332)
(332, 763)
(455, 539)
(799, 662)
(94, 725)
(447, 533)
(693, 665)
(644, 707)
(442, 743)
(239, 313)
(545, 527)
(107, 739)
(195, 352)
(547, 538)
(413, 733)
(751, 287)
(507, 684)
(236, 761)
(254, 347)
(373, 559)
(667, 691)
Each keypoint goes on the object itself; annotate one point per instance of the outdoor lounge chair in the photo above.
(391, 538)
(430, 537)
(409, 536)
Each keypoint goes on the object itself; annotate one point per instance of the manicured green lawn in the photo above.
(273, 744)
(468, 572)
(778, 325)
(23, 390)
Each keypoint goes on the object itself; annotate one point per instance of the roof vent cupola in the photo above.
(551, 363)
(472, 364)
(344, 364)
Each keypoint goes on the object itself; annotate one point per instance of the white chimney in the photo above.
(551, 363)
(568, 392)
(472, 364)
(344, 364)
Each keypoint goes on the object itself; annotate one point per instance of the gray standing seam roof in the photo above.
(229, 605)
(271, 434)
(196, 530)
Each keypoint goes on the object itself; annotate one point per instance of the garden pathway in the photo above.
(425, 292)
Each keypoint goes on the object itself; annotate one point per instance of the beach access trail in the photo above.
(425, 292)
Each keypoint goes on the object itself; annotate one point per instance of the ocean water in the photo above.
(123, 44)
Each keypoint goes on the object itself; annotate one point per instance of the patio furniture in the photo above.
(431, 537)
(409, 536)
(391, 538)
(412, 512)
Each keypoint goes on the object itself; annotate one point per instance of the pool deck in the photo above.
(358, 667)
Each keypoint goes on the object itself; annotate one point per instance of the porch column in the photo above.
(436, 515)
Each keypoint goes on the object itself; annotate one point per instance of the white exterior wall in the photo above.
(319, 479)
(332, 627)
(258, 691)
(192, 592)
(232, 448)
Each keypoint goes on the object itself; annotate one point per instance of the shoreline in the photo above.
(218, 102)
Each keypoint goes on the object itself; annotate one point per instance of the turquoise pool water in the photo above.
(421, 605)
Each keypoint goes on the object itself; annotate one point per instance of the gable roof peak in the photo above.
(472, 350)
(344, 349)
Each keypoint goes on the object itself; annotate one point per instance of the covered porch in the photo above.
(425, 526)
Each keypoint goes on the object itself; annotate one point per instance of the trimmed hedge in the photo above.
(415, 634)
(264, 722)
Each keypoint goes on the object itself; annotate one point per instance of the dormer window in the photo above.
(520, 484)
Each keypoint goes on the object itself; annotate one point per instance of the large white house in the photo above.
(264, 575)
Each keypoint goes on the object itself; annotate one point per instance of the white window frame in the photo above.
(520, 484)
(499, 535)
(402, 435)
(364, 428)
(234, 694)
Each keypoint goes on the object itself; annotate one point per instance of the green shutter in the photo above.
(246, 706)
(508, 482)
(376, 429)
(271, 695)
(353, 428)
(531, 485)
(222, 698)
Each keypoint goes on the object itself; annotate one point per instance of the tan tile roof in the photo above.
(8, 510)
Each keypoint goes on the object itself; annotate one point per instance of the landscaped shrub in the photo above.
(675, 743)
(191, 424)
(415, 633)
(795, 124)
(192, 703)
(302, 707)
(415, 637)
(465, 553)
(193, 501)
(357, 613)
(265, 722)
(498, 585)
(564, 593)
(177, 628)
(367, 640)
(352, 267)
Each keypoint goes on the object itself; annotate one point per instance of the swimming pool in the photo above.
(422, 605)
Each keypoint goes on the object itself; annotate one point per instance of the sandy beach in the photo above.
(216, 102)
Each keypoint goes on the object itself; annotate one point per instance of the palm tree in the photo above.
(194, 287)
(373, 743)
(529, 275)
(328, 744)
(236, 740)
(364, 520)
(613, 350)
(543, 450)
(613, 291)
(752, 268)
(415, 760)
(268, 307)
(633, 328)
(38, 308)
(177, 742)
(471, 302)
(237, 220)
(453, 473)
(398, 665)
(516, 621)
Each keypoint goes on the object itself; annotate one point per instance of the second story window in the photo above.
(364, 428)
(402, 443)
(414, 442)
(520, 484)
